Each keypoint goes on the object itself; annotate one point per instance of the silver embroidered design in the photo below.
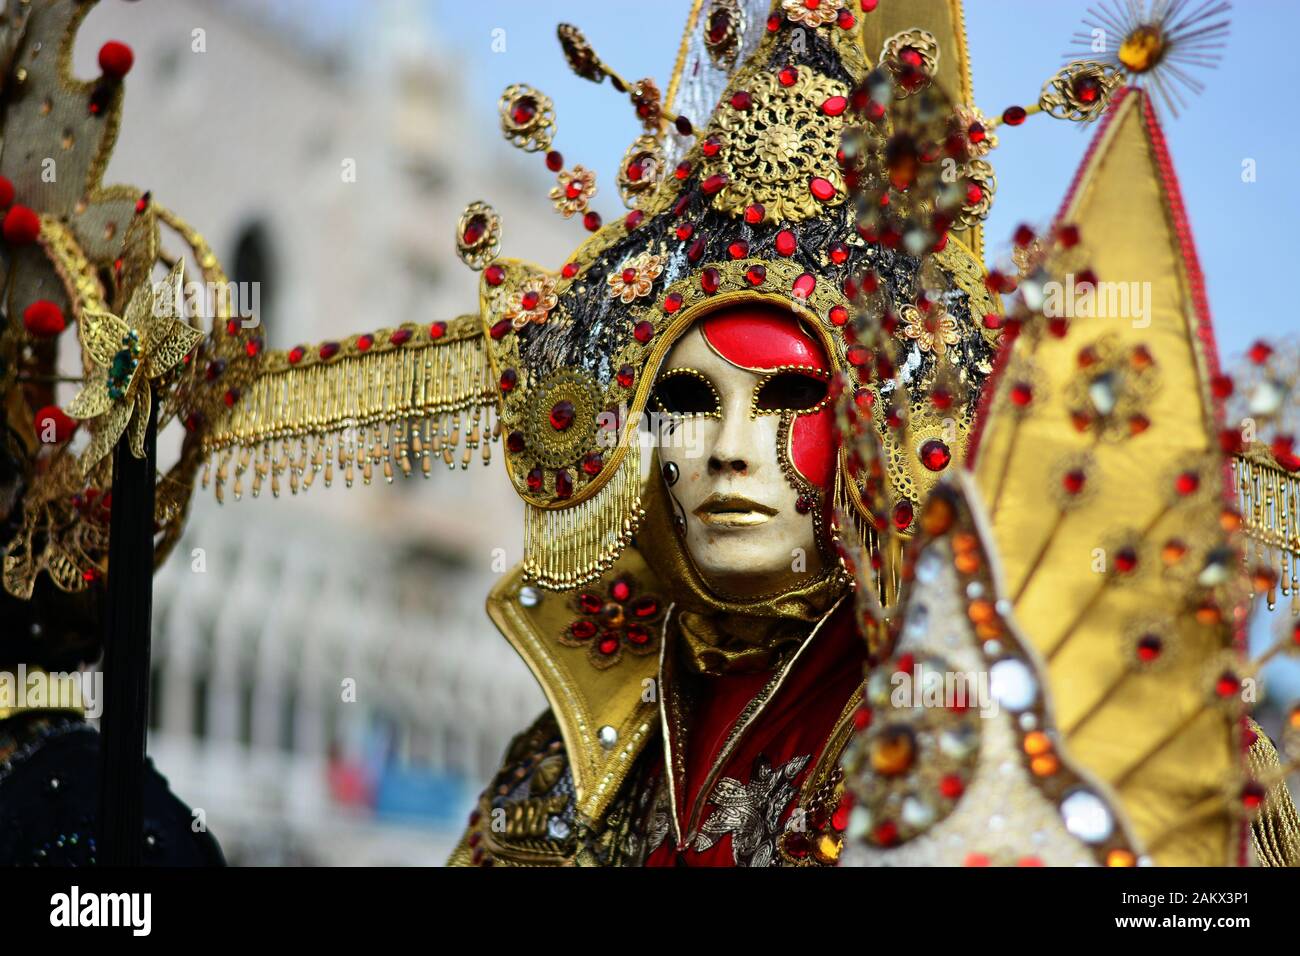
(660, 819)
(751, 812)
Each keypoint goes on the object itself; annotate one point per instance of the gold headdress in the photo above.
(755, 209)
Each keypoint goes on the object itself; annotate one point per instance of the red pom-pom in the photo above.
(115, 59)
(21, 226)
(51, 416)
(6, 192)
(44, 318)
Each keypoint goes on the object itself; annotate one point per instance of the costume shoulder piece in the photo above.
(595, 652)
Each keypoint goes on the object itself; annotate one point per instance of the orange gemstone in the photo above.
(893, 751)
(1037, 743)
(937, 517)
(981, 611)
(1044, 765)
(1120, 858)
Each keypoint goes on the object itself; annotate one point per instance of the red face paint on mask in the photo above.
(760, 338)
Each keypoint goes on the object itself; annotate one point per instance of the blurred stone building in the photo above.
(248, 119)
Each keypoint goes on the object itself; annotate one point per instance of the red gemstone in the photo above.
(534, 480)
(590, 603)
(523, 110)
(530, 299)
(1087, 89)
(838, 253)
(1022, 393)
(569, 270)
(563, 484)
(714, 184)
(685, 230)
(822, 188)
(1126, 560)
(1068, 236)
(838, 315)
(696, 251)
(845, 20)
(710, 280)
(401, 336)
(515, 442)
(804, 285)
(1259, 353)
(885, 834)
(475, 230)
(629, 276)
(1014, 115)
(756, 274)
(592, 463)
(1227, 685)
(773, 23)
(637, 634)
(1074, 481)
(741, 100)
(785, 242)
(682, 202)
(626, 376)
(554, 161)
(6, 192)
(582, 629)
(754, 214)
(620, 590)
(328, 350)
(903, 514)
(633, 219)
(738, 249)
(494, 275)
(682, 171)
(787, 76)
(935, 455)
(835, 105)
(608, 645)
(1149, 647)
(437, 330)
(509, 379)
(643, 331)
(1187, 483)
(672, 303)
(1222, 386)
(562, 414)
(645, 607)
(231, 396)
(711, 146)
(296, 354)
(591, 221)
(500, 329)
(951, 786)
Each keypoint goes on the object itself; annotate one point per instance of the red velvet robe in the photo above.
(754, 791)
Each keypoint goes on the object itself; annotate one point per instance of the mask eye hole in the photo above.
(685, 393)
(793, 391)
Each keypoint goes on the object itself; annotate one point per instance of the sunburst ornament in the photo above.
(126, 355)
(1157, 42)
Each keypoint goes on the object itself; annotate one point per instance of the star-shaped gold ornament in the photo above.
(125, 355)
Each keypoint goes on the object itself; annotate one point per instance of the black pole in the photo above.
(125, 717)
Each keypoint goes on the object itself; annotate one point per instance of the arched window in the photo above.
(253, 272)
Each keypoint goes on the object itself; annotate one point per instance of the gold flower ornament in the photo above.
(125, 355)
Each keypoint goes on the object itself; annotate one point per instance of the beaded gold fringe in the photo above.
(1269, 499)
(568, 547)
(391, 412)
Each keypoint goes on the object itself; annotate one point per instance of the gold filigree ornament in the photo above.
(932, 332)
(636, 277)
(1080, 92)
(478, 235)
(127, 355)
(723, 25)
(981, 184)
(912, 57)
(573, 190)
(532, 302)
(976, 130)
(527, 117)
(811, 13)
(777, 145)
(641, 171)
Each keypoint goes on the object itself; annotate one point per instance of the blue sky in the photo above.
(1242, 229)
